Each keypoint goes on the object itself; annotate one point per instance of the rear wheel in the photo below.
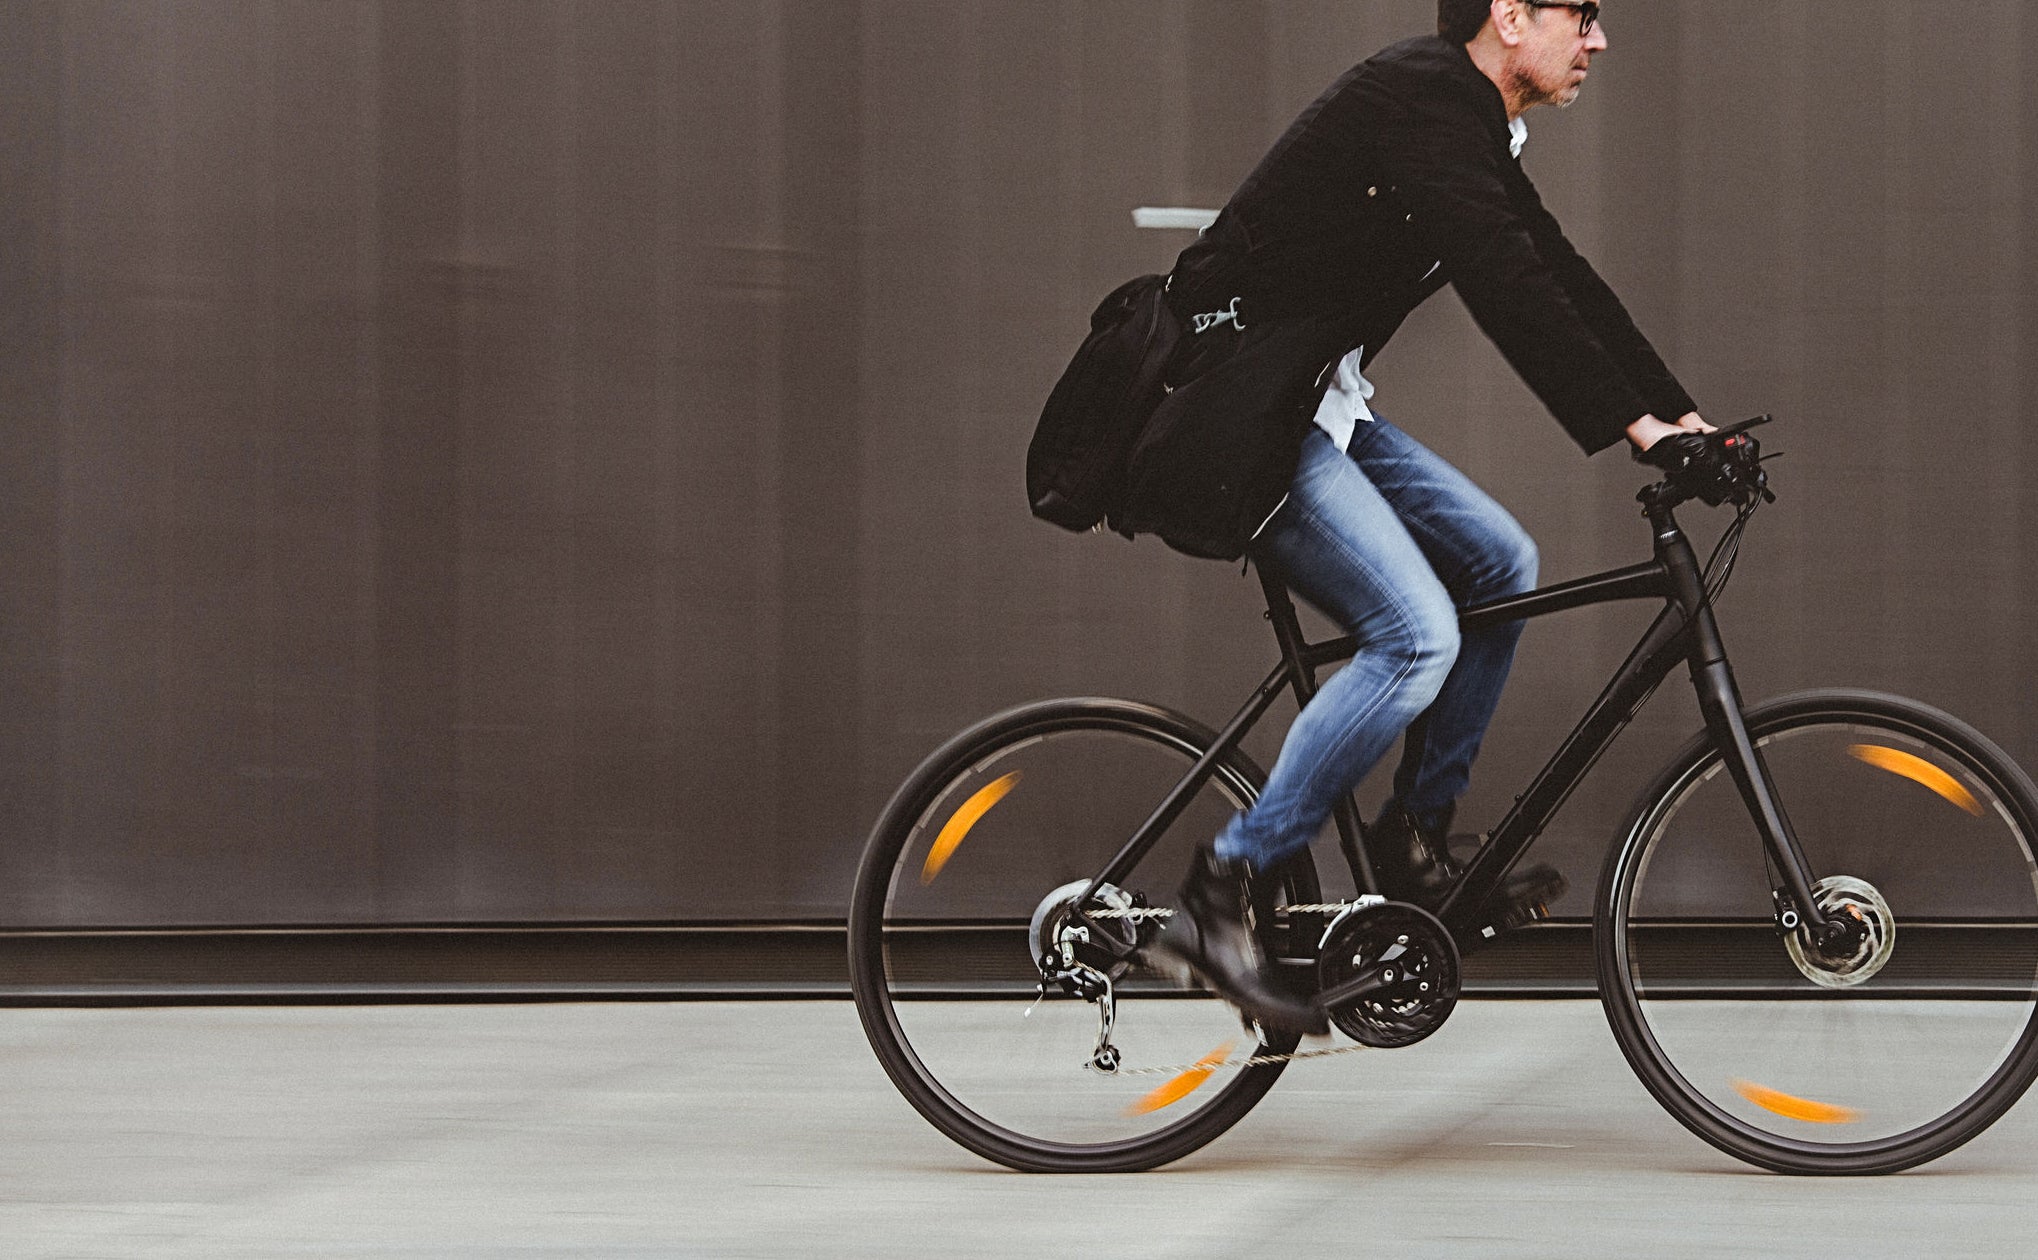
(973, 873)
(1912, 1037)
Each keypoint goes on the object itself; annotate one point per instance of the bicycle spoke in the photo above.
(1873, 1056)
(1018, 1017)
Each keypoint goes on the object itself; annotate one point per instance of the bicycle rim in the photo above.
(1872, 1062)
(954, 881)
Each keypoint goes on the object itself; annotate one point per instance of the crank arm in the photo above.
(1371, 980)
(1389, 971)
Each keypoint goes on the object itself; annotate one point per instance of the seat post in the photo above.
(1288, 631)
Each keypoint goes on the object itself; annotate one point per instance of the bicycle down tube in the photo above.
(1685, 630)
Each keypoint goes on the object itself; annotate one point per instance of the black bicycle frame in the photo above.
(1684, 630)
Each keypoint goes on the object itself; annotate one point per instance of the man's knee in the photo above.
(1430, 647)
(1516, 564)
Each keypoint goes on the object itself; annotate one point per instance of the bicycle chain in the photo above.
(1163, 912)
(1258, 1060)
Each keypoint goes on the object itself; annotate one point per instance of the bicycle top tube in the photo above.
(1731, 471)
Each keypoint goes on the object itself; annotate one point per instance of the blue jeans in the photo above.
(1389, 541)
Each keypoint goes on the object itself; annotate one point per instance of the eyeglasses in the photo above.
(1588, 11)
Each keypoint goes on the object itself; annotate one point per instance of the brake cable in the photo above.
(1717, 573)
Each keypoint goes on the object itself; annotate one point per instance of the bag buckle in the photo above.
(1229, 315)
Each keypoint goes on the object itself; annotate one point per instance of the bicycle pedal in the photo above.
(1514, 918)
(1534, 906)
(1168, 966)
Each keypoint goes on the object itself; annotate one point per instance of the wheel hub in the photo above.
(1400, 966)
(1858, 954)
(1063, 944)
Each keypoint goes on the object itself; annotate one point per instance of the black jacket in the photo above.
(1395, 182)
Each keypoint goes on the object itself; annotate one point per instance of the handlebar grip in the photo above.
(1744, 425)
(1715, 467)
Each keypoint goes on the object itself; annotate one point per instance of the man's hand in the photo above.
(1648, 430)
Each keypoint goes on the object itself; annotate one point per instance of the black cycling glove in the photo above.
(1678, 452)
(1695, 463)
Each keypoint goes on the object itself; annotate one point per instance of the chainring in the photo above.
(1408, 943)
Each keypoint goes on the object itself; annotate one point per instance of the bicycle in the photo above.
(1747, 954)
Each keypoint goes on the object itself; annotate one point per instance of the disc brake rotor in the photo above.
(1846, 895)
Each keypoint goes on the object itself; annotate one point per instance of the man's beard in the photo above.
(1531, 94)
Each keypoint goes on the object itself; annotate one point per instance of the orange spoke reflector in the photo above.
(1917, 770)
(1794, 1108)
(958, 826)
(1182, 1086)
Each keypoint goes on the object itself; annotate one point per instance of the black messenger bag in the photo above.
(1214, 461)
(1075, 465)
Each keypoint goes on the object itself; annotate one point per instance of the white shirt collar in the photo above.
(1517, 136)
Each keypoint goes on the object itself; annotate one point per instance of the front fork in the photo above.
(1719, 699)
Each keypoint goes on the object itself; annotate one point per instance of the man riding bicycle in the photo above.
(1403, 177)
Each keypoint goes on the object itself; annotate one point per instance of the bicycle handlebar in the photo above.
(1722, 466)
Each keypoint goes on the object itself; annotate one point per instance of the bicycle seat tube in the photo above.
(1295, 655)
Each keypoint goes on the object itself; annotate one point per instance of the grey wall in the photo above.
(532, 460)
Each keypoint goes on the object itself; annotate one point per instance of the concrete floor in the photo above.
(768, 1129)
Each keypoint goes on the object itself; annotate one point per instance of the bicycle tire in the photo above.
(1083, 751)
(1888, 1058)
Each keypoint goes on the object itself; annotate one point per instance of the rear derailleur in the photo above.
(1084, 957)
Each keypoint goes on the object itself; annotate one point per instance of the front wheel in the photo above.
(1869, 1058)
(972, 874)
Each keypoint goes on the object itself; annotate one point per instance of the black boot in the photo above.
(1414, 864)
(1210, 934)
(1411, 861)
